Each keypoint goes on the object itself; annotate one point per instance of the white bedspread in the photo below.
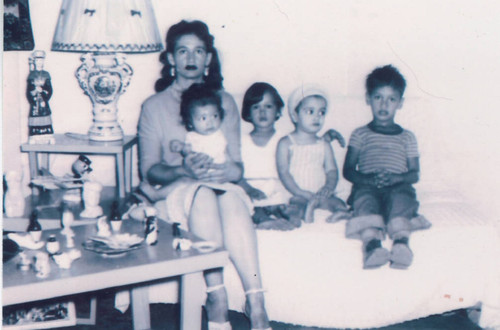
(314, 276)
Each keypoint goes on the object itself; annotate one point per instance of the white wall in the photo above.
(448, 51)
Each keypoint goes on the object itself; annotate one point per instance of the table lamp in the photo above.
(105, 30)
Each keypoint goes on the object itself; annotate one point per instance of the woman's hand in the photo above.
(197, 165)
(332, 135)
(220, 173)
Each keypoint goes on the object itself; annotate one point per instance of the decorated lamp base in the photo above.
(104, 77)
(105, 132)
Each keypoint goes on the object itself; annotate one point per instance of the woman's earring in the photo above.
(172, 71)
(206, 71)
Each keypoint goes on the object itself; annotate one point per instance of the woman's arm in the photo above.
(282, 164)
(192, 166)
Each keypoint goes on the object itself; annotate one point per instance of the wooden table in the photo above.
(122, 151)
(135, 270)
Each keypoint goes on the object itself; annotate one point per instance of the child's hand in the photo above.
(325, 192)
(220, 173)
(256, 194)
(197, 164)
(387, 179)
(332, 135)
(176, 146)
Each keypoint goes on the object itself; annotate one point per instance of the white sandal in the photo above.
(216, 325)
(252, 291)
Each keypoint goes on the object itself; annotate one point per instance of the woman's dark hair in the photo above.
(198, 95)
(255, 94)
(199, 29)
(385, 76)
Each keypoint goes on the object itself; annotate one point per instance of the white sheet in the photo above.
(314, 276)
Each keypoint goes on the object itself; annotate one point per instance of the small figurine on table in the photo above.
(80, 167)
(91, 197)
(38, 92)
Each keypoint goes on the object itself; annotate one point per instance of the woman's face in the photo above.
(263, 114)
(190, 57)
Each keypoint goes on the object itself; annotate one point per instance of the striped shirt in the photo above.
(383, 152)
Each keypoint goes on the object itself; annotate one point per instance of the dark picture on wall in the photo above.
(17, 33)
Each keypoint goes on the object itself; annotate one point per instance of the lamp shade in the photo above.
(125, 26)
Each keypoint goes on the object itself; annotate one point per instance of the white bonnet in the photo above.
(301, 93)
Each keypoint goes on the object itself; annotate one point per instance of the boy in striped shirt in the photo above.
(382, 162)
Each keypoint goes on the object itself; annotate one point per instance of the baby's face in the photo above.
(384, 102)
(263, 114)
(206, 119)
(311, 114)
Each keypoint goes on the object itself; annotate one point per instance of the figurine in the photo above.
(67, 219)
(91, 198)
(24, 262)
(80, 167)
(151, 230)
(115, 219)
(42, 265)
(52, 245)
(34, 228)
(64, 260)
(14, 199)
(103, 229)
(38, 92)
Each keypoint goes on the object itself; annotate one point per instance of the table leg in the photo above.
(45, 161)
(191, 303)
(120, 175)
(128, 170)
(33, 161)
(140, 307)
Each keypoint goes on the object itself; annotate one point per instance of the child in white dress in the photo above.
(306, 163)
(262, 107)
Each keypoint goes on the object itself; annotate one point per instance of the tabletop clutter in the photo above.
(111, 238)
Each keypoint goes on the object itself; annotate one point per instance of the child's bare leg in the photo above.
(338, 208)
(296, 210)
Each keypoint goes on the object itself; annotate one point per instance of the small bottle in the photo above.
(176, 232)
(151, 230)
(52, 245)
(34, 227)
(115, 218)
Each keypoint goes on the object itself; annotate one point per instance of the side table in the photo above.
(122, 150)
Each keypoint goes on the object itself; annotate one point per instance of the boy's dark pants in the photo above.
(389, 209)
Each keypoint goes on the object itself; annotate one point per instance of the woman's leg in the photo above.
(204, 221)
(241, 242)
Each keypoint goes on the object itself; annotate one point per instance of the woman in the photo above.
(190, 58)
